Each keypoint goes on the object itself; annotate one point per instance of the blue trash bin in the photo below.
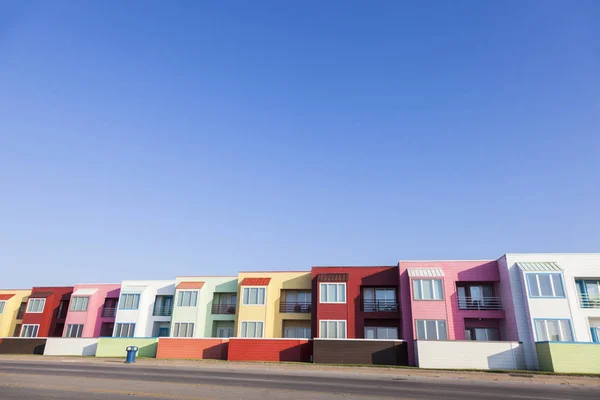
(131, 352)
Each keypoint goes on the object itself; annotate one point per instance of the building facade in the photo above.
(46, 312)
(145, 309)
(92, 310)
(274, 305)
(12, 308)
(204, 307)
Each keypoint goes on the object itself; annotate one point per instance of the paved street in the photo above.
(29, 380)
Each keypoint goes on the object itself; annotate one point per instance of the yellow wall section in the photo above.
(569, 357)
(269, 313)
(8, 319)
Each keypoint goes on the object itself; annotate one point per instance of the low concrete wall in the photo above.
(115, 347)
(294, 350)
(469, 354)
(583, 358)
(199, 348)
(71, 347)
(360, 351)
(22, 345)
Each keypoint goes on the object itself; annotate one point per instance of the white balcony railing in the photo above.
(480, 303)
(589, 301)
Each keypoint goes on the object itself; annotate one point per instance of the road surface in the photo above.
(31, 380)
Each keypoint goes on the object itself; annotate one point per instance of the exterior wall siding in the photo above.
(274, 350)
(571, 358)
(8, 319)
(469, 354)
(22, 346)
(360, 352)
(48, 319)
(200, 349)
(116, 347)
(71, 347)
(92, 319)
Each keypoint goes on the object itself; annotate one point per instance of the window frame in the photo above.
(177, 329)
(35, 300)
(194, 294)
(256, 326)
(23, 328)
(264, 303)
(473, 334)
(123, 303)
(307, 332)
(69, 329)
(337, 329)
(437, 329)
(2, 306)
(74, 301)
(376, 328)
(120, 325)
(539, 287)
(421, 279)
(326, 301)
(545, 320)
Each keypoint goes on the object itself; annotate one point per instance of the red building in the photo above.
(356, 302)
(46, 312)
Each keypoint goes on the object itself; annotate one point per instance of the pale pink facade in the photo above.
(459, 279)
(98, 320)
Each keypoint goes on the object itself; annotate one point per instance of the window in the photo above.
(36, 305)
(332, 329)
(254, 296)
(427, 289)
(74, 330)
(252, 329)
(29, 330)
(187, 298)
(431, 329)
(129, 301)
(124, 330)
(553, 330)
(2, 304)
(545, 285)
(298, 332)
(381, 332)
(379, 299)
(183, 329)
(333, 293)
(481, 334)
(79, 303)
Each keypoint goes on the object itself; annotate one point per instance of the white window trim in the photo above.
(333, 302)
(124, 323)
(129, 309)
(66, 331)
(250, 321)
(73, 300)
(432, 288)
(253, 305)
(36, 312)
(179, 330)
(560, 328)
(23, 329)
(337, 321)
(437, 329)
(180, 292)
(539, 287)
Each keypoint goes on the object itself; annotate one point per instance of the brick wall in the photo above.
(214, 349)
(299, 350)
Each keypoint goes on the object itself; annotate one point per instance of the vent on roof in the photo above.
(190, 285)
(425, 272)
(332, 277)
(255, 282)
(539, 266)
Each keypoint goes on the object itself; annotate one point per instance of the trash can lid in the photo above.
(132, 348)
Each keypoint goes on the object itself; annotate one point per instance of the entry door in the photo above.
(163, 331)
(224, 332)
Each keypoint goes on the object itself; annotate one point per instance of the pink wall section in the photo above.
(92, 318)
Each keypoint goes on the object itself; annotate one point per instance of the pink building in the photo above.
(92, 311)
(454, 300)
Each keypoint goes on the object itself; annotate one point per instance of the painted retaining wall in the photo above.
(360, 351)
(469, 354)
(569, 357)
(71, 347)
(115, 347)
(214, 349)
(22, 346)
(295, 350)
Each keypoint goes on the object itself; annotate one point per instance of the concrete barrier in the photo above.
(115, 347)
(582, 358)
(193, 348)
(71, 347)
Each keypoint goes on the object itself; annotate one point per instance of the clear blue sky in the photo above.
(147, 140)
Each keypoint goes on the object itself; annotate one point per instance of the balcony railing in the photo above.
(109, 312)
(294, 307)
(480, 303)
(223, 309)
(163, 311)
(380, 305)
(587, 301)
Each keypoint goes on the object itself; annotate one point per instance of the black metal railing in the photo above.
(223, 309)
(379, 305)
(295, 307)
(162, 311)
(480, 303)
(109, 312)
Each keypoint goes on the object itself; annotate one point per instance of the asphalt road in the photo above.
(59, 380)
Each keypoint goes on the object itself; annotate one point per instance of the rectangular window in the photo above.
(187, 298)
(333, 293)
(427, 289)
(2, 304)
(254, 295)
(381, 332)
(553, 330)
(481, 334)
(431, 329)
(296, 332)
(252, 329)
(79, 303)
(124, 330)
(29, 330)
(129, 301)
(332, 329)
(183, 329)
(545, 285)
(73, 331)
(36, 305)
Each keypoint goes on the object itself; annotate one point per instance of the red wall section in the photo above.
(299, 350)
(47, 319)
(214, 349)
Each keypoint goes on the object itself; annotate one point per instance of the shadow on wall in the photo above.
(300, 353)
(22, 346)
(89, 350)
(485, 272)
(217, 352)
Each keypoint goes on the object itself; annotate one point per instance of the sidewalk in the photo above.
(329, 370)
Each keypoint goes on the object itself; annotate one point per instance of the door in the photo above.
(224, 332)
(369, 300)
(593, 292)
(163, 331)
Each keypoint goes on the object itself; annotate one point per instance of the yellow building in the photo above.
(12, 306)
(274, 305)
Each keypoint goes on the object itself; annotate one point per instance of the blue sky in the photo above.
(147, 140)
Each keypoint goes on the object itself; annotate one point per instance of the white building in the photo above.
(144, 309)
(556, 298)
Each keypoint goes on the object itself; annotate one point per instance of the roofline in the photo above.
(9, 290)
(355, 266)
(272, 272)
(554, 254)
(401, 261)
(204, 276)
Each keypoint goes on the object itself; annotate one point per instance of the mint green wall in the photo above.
(222, 286)
(115, 347)
(569, 357)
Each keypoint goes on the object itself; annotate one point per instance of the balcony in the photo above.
(223, 309)
(295, 307)
(163, 311)
(589, 301)
(480, 303)
(379, 305)
(109, 312)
